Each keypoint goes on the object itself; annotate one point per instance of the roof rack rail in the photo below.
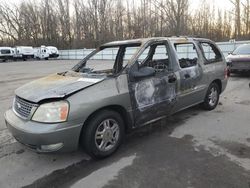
(185, 36)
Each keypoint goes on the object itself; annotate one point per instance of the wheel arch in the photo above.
(219, 83)
(128, 122)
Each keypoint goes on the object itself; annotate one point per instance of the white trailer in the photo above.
(6, 53)
(23, 52)
(53, 51)
(46, 52)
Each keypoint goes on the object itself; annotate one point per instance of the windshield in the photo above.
(5, 51)
(242, 50)
(108, 60)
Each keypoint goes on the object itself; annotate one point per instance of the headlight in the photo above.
(54, 112)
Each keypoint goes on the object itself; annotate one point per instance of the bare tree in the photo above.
(9, 22)
(175, 14)
(246, 17)
(92, 22)
(237, 24)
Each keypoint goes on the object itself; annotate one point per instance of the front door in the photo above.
(153, 97)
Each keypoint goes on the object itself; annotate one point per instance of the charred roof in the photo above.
(138, 42)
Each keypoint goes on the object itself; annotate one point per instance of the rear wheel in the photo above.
(212, 97)
(103, 134)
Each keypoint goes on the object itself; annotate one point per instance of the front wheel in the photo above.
(103, 134)
(212, 97)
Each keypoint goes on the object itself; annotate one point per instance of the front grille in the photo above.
(23, 108)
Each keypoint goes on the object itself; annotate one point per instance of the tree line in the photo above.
(89, 23)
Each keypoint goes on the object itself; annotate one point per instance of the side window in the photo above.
(211, 52)
(187, 54)
(155, 56)
(160, 53)
(129, 53)
(143, 56)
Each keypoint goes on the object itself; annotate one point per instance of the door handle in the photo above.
(172, 79)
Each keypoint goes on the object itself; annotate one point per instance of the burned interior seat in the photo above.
(186, 62)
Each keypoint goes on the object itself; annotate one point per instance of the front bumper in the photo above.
(239, 66)
(38, 136)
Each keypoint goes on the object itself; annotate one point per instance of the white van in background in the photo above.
(46, 52)
(23, 52)
(6, 53)
(53, 51)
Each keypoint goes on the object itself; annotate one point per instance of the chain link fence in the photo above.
(78, 54)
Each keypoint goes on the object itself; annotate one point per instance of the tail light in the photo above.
(226, 73)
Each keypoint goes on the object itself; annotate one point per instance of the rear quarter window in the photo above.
(210, 52)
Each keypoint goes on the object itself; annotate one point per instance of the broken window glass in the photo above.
(211, 53)
(187, 54)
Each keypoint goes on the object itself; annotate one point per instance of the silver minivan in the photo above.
(120, 86)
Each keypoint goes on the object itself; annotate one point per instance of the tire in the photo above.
(212, 97)
(94, 138)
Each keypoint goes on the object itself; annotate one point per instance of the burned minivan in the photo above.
(120, 86)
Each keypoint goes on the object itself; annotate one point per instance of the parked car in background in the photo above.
(6, 53)
(23, 52)
(239, 59)
(96, 102)
(46, 52)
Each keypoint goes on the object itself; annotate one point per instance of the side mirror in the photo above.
(144, 72)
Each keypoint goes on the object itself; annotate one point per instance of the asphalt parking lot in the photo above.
(191, 149)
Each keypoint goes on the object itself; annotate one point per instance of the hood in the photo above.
(236, 58)
(54, 86)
